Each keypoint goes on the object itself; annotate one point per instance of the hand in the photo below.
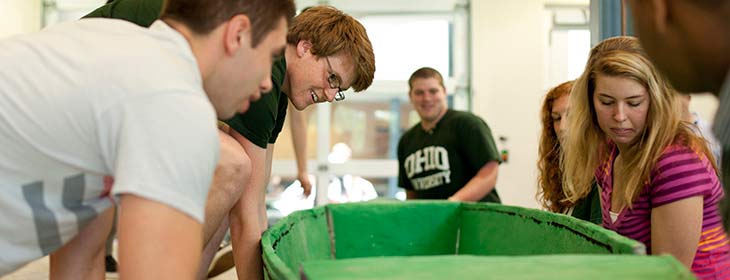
(306, 185)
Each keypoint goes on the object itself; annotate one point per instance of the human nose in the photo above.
(330, 93)
(266, 84)
(619, 113)
(562, 126)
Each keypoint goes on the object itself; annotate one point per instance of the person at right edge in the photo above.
(449, 154)
(690, 42)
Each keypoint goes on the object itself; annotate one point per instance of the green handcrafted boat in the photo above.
(440, 239)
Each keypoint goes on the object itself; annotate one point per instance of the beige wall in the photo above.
(508, 67)
(19, 16)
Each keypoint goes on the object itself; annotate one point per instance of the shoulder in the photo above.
(679, 162)
(462, 115)
(678, 155)
(411, 132)
(157, 54)
(465, 122)
(140, 12)
(465, 118)
(681, 172)
(188, 102)
(148, 122)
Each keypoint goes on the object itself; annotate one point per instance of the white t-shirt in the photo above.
(705, 131)
(91, 98)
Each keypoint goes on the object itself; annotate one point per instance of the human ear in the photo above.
(303, 47)
(237, 33)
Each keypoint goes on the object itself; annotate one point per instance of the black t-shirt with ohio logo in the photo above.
(438, 163)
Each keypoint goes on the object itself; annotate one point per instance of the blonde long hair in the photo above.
(622, 57)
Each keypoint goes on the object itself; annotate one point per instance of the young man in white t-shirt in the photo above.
(85, 101)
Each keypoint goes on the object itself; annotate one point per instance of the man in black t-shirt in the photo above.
(449, 154)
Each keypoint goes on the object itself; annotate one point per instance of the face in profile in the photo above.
(621, 107)
(316, 79)
(428, 98)
(246, 73)
(558, 116)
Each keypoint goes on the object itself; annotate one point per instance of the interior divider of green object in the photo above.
(428, 228)
(493, 229)
(395, 229)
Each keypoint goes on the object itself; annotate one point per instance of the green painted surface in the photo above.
(298, 237)
(564, 267)
(395, 229)
(508, 230)
(443, 230)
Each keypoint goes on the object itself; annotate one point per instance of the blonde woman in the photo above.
(658, 180)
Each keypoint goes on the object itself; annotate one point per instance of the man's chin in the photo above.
(228, 114)
(300, 105)
(244, 107)
(225, 115)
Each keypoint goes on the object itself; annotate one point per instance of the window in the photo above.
(569, 43)
(403, 44)
(56, 11)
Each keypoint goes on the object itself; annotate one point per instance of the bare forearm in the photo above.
(676, 229)
(245, 216)
(263, 218)
(83, 257)
(245, 237)
(299, 139)
(479, 186)
(298, 127)
(151, 232)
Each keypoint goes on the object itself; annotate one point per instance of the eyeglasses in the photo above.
(334, 81)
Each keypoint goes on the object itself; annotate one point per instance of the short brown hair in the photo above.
(202, 16)
(425, 73)
(332, 31)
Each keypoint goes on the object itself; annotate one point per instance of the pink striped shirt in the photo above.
(679, 173)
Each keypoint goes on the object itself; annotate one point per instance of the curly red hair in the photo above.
(549, 181)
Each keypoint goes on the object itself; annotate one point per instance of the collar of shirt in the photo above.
(166, 31)
(722, 117)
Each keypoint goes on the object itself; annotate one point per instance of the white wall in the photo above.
(24, 16)
(508, 66)
(19, 16)
(705, 105)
